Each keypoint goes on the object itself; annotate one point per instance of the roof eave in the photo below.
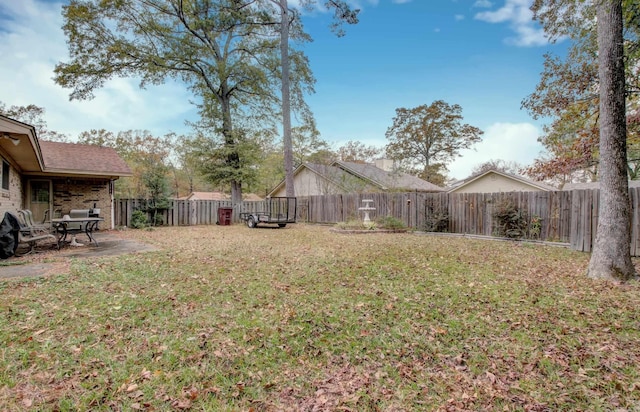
(80, 173)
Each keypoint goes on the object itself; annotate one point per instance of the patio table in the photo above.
(87, 226)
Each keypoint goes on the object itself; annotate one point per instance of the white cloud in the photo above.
(458, 17)
(520, 19)
(32, 43)
(516, 142)
(482, 4)
(401, 1)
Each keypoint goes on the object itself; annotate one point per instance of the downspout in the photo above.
(113, 213)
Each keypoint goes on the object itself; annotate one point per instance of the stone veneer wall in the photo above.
(73, 193)
(11, 201)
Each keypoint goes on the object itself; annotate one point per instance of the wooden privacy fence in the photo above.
(184, 212)
(564, 216)
(468, 213)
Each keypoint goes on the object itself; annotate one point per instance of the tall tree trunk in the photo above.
(236, 192)
(233, 158)
(286, 100)
(611, 258)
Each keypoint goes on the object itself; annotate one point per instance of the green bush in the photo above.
(158, 220)
(139, 219)
(355, 224)
(535, 227)
(437, 220)
(390, 222)
(509, 221)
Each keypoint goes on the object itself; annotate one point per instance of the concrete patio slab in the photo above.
(110, 243)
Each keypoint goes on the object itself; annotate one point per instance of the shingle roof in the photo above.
(390, 180)
(341, 172)
(332, 173)
(207, 196)
(82, 159)
(251, 197)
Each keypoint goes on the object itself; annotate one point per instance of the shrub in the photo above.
(508, 220)
(355, 224)
(138, 219)
(437, 220)
(390, 222)
(535, 227)
(158, 220)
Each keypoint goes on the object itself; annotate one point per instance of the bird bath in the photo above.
(366, 209)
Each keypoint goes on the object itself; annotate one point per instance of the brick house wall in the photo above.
(84, 193)
(11, 201)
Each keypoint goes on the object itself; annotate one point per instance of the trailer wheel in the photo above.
(251, 222)
(282, 224)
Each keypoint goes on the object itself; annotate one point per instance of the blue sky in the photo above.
(484, 55)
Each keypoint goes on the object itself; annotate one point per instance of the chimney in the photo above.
(384, 164)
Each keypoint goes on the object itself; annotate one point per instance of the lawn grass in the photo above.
(228, 318)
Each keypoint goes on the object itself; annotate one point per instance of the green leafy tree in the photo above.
(150, 156)
(500, 165)
(568, 91)
(99, 137)
(143, 152)
(358, 152)
(138, 148)
(425, 139)
(156, 184)
(306, 142)
(322, 156)
(225, 51)
(212, 159)
(592, 83)
(186, 173)
(270, 173)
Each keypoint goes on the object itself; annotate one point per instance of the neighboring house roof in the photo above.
(457, 185)
(217, 196)
(593, 185)
(205, 196)
(329, 173)
(251, 197)
(389, 180)
(72, 158)
(335, 175)
(341, 173)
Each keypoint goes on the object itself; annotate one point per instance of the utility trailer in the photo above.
(273, 211)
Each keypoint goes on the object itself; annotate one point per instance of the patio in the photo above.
(49, 261)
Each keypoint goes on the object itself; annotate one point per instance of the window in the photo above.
(5, 175)
(39, 191)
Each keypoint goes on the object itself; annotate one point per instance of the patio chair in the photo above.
(57, 213)
(31, 234)
(32, 227)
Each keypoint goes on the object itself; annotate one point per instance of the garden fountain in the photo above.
(366, 209)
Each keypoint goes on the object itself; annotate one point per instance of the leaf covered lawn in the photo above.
(301, 318)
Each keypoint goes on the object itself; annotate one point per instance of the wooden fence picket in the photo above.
(565, 216)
